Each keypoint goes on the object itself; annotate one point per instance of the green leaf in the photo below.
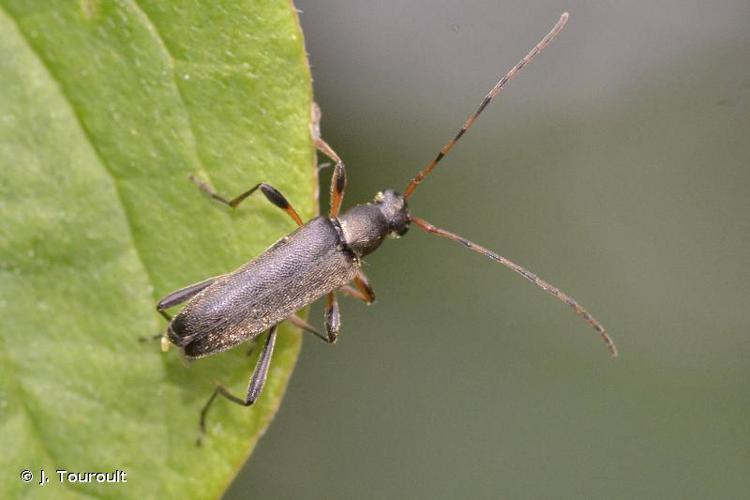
(106, 108)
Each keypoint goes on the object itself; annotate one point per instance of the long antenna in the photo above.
(487, 99)
(547, 287)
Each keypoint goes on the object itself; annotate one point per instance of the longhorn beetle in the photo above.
(320, 258)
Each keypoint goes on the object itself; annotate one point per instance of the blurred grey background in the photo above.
(617, 166)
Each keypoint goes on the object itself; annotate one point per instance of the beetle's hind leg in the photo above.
(254, 388)
(173, 299)
(182, 295)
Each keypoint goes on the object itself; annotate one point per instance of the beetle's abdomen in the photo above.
(294, 272)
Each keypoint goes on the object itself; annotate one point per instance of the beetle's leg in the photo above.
(182, 295)
(175, 298)
(254, 388)
(363, 285)
(363, 291)
(338, 184)
(338, 180)
(315, 134)
(332, 317)
(271, 193)
(304, 325)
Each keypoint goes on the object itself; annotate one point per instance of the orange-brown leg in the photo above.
(271, 193)
(363, 290)
(338, 185)
(363, 285)
(338, 180)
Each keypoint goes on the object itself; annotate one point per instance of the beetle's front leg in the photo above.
(254, 388)
(338, 185)
(338, 180)
(363, 290)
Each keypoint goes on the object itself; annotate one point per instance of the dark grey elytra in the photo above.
(321, 257)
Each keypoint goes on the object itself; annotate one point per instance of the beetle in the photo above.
(318, 259)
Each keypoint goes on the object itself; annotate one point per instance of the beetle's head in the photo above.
(395, 210)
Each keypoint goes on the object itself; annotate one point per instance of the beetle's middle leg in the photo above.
(271, 193)
(254, 388)
(304, 325)
(332, 317)
(332, 313)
